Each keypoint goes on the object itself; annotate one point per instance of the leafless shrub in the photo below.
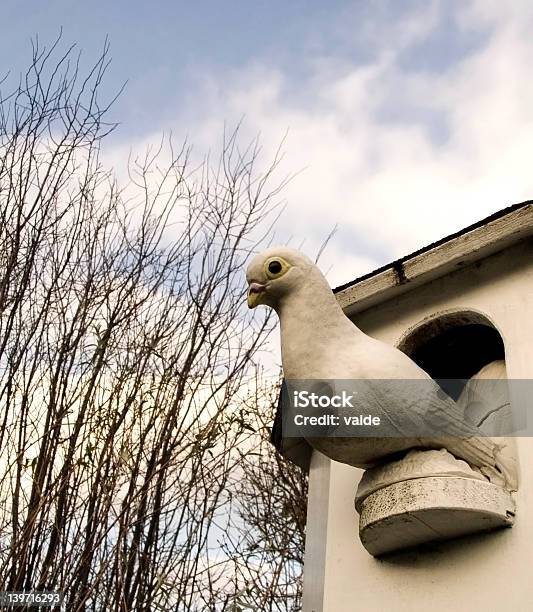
(266, 539)
(125, 354)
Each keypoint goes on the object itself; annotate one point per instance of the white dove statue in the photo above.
(319, 342)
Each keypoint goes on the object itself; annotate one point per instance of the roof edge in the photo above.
(495, 232)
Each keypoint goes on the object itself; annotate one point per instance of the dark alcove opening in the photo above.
(454, 347)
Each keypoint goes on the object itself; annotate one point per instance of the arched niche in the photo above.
(453, 346)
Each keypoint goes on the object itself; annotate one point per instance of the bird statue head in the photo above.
(279, 272)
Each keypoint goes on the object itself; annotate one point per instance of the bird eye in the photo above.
(274, 267)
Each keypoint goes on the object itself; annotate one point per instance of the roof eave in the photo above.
(475, 242)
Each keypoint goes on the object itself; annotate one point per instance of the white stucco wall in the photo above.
(489, 572)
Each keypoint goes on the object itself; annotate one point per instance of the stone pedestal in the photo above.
(416, 511)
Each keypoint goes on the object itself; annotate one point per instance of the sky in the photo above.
(403, 121)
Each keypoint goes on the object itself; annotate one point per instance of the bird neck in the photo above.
(316, 305)
(310, 322)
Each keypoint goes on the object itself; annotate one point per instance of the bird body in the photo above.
(318, 342)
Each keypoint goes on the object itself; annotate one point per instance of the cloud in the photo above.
(396, 155)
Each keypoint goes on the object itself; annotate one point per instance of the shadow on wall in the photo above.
(426, 556)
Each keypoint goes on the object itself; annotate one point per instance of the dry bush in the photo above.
(125, 354)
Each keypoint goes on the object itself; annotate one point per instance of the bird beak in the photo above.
(255, 290)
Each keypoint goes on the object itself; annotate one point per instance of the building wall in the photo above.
(489, 572)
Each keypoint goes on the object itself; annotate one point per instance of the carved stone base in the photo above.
(421, 510)
(416, 464)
